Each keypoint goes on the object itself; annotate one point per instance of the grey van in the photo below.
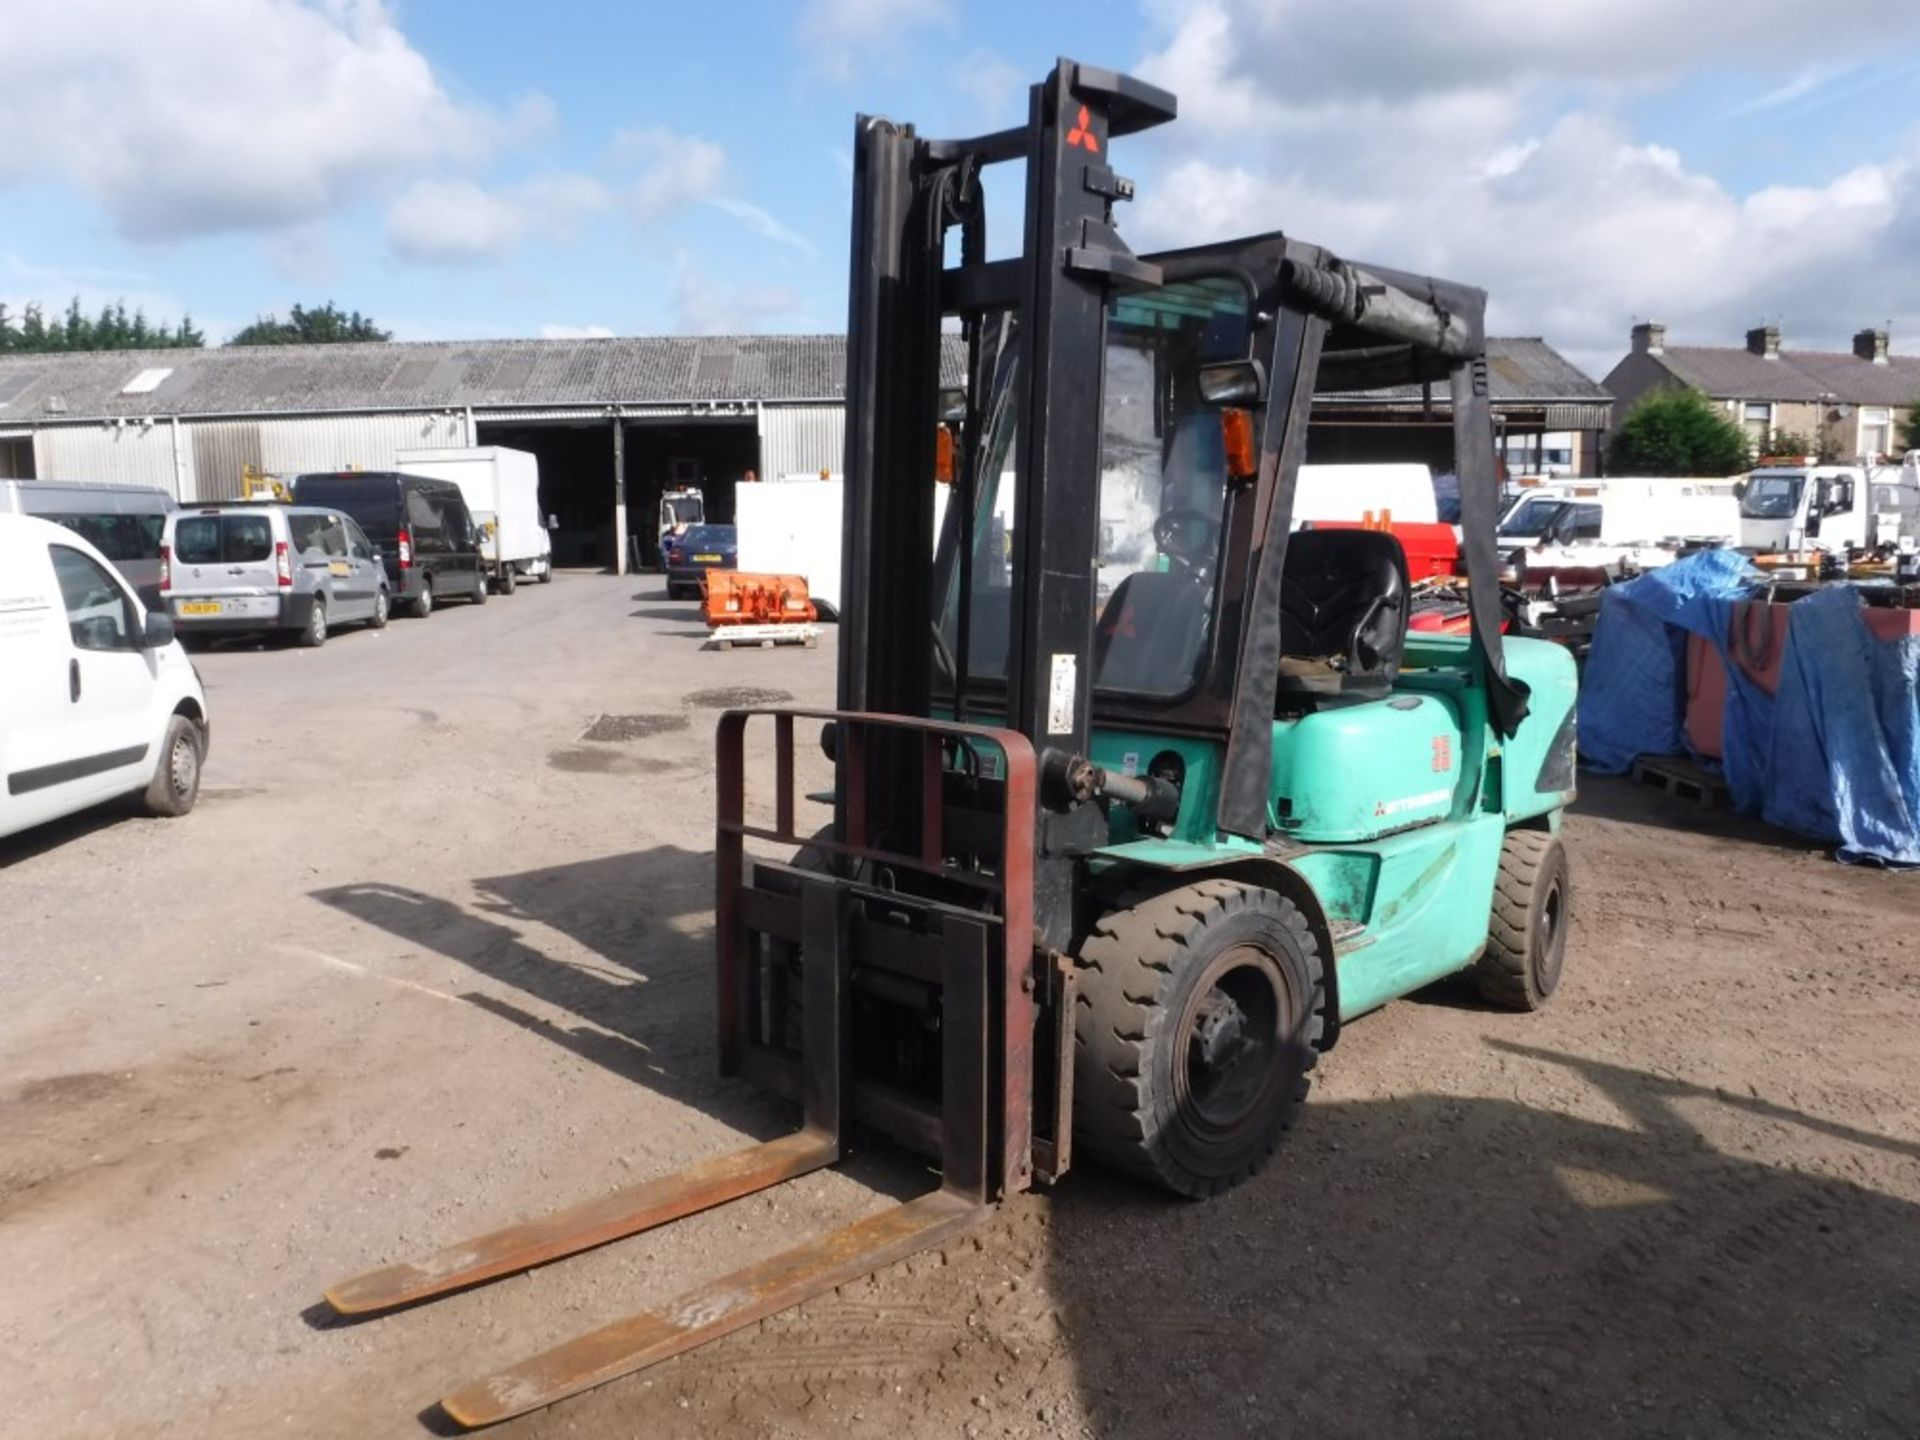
(249, 567)
(424, 530)
(122, 522)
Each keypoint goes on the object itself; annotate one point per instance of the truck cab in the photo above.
(1804, 507)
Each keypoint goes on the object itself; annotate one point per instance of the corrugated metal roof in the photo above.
(1727, 373)
(542, 375)
(1521, 370)
(483, 373)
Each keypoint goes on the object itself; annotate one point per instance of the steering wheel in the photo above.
(1189, 536)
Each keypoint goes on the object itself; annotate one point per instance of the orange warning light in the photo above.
(1236, 438)
(943, 454)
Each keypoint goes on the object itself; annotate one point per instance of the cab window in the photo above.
(358, 546)
(1163, 483)
(100, 615)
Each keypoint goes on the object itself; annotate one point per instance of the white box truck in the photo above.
(502, 490)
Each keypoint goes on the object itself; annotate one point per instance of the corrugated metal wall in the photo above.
(124, 455)
(364, 442)
(802, 439)
(221, 449)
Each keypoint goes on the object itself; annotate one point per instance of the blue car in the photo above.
(693, 552)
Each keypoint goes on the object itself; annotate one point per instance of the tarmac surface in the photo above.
(434, 954)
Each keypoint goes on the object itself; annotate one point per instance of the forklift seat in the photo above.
(1343, 614)
(1148, 639)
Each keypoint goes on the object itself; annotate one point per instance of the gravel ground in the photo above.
(434, 954)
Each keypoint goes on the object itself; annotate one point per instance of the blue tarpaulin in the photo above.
(1835, 754)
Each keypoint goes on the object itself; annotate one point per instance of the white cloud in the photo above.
(677, 170)
(763, 224)
(575, 332)
(203, 116)
(460, 222)
(1307, 51)
(1796, 87)
(995, 85)
(674, 169)
(841, 34)
(704, 306)
(1382, 142)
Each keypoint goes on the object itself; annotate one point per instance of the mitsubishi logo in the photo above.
(1082, 134)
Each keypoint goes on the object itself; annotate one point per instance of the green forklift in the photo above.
(1139, 793)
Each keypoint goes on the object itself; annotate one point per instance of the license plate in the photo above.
(706, 559)
(200, 607)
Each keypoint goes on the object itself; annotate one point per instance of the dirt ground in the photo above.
(426, 961)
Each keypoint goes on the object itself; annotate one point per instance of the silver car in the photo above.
(246, 568)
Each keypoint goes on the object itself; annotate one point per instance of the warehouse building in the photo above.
(613, 422)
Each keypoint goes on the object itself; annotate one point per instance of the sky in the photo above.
(479, 168)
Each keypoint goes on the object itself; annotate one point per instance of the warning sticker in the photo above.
(1060, 695)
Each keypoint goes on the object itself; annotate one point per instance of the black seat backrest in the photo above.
(989, 630)
(1150, 636)
(1343, 612)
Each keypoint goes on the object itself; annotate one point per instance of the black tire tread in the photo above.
(1132, 955)
(1503, 968)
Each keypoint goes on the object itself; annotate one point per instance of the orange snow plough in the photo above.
(736, 597)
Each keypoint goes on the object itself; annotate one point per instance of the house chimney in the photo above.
(1764, 341)
(1871, 345)
(1650, 338)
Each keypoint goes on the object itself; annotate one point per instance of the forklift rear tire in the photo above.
(1527, 934)
(1201, 1012)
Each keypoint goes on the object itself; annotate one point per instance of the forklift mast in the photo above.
(908, 193)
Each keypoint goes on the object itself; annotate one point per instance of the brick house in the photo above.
(1855, 403)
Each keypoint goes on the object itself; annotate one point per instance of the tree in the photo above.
(114, 329)
(328, 325)
(1678, 432)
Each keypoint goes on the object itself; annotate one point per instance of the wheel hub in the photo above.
(182, 764)
(1221, 1032)
(1230, 1040)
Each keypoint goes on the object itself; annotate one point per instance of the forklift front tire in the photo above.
(1200, 1014)
(1527, 933)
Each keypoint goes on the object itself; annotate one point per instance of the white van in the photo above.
(100, 700)
(1647, 520)
(122, 522)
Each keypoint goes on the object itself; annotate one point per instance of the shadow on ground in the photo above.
(1441, 1266)
(641, 980)
(1417, 1265)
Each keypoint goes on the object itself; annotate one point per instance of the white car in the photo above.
(99, 699)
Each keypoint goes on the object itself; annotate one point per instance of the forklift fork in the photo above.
(958, 927)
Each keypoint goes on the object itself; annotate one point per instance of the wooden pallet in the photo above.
(763, 637)
(1682, 779)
